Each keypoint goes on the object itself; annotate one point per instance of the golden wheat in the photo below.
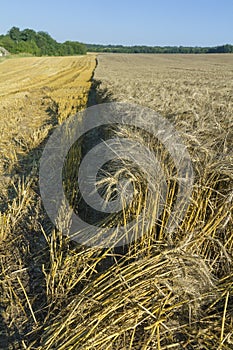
(160, 292)
(35, 95)
(163, 292)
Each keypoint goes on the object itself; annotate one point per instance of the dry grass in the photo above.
(35, 95)
(33, 91)
(160, 292)
(195, 94)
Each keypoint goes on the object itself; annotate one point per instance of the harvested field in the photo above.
(32, 92)
(163, 291)
(35, 95)
(195, 94)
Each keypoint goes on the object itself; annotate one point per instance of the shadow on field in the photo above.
(92, 138)
(29, 254)
(26, 254)
(3, 333)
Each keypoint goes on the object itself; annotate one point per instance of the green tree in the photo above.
(27, 35)
(8, 43)
(14, 33)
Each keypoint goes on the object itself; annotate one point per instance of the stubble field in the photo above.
(162, 292)
(36, 94)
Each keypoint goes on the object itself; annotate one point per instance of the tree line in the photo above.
(158, 49)
(41, 43)
(38, 43)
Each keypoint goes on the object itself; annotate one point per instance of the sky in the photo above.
(126, 22)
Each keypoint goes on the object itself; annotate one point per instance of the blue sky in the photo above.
(127, 22)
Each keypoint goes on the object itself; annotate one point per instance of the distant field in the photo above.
(32, 90)
(168, 83)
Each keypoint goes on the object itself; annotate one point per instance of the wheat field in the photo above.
(35, 95)
(195, 94)
(160, 292)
